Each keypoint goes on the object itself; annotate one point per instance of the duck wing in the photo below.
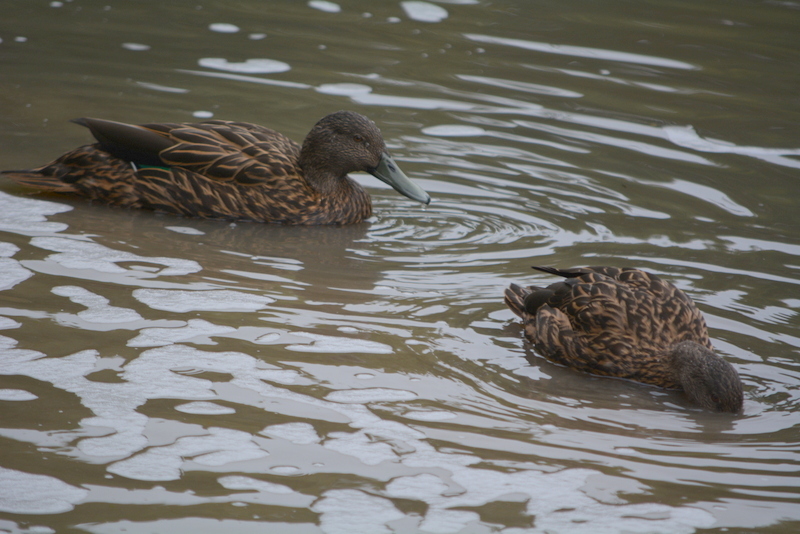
(126, 141)
(223, 151)
(653, 311)
(584, 323)
(658, 313)
(214, 169)
(579, 322)
(227, 151)
(609, 321)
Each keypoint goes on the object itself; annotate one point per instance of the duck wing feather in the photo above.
(609, 321)
(211, 170)
(229, 151)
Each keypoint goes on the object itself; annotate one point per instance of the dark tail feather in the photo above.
(515, 299)
(40, 179)
(566, 273)
(127, 142)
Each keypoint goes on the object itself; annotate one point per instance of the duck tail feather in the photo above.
(566, 273)
(39, 180)
(515, 299)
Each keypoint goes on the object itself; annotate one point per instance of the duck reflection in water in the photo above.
(629, 324)
(229, 170)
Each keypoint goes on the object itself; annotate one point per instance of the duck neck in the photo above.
(321, 166)
(318, 177)
(341, 199)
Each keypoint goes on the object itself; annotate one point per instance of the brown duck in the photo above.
(229, 170)
(629, 324)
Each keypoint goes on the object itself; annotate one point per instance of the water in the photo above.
(168, 374)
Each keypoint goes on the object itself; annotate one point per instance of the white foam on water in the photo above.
(267, 339)
(249, 79)
(99, 310)
(221, 446)
(344, 345)
(136, 47)
(297, 433)
(182, 301)
(26, 493)
(251, 491)
(11, 526)
(362, 396)
(187, 230)
(150, 376)
(249, 66)
(454, 130)
(194, 328)
(517, 85)
(706, 193)
(348, 330)
(80, 254)
(346, 511)
(198, 524)
(583, 515)
(286, 470)
(433, 415)
(360, 446)
(324, 5)
(280, 376)
(28, 216)
(372, 441)
(582, 51)
(114, 405)
(247, 483)
(687, 137)
(11, 272)
(7, 250)
(424, 11)
(344, 89)
(7, 323)
(16, 395)
(205, 408)
(162, 88)
(223, 27)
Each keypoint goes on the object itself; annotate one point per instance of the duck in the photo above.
(228, 170)
(626, 323)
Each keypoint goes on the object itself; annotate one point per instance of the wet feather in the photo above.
(629, 324)
(228, 170)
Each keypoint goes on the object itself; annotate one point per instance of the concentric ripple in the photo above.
(465, 232)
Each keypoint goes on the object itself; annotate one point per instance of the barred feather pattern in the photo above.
(216, 169)
(84, 171)
(609, 321)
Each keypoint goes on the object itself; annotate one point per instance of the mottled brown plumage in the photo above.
(629, 324)
(228, 170)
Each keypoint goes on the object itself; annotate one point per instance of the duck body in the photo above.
(228, 170)
(629, 324)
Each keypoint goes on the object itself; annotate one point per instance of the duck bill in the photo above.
(388, 172)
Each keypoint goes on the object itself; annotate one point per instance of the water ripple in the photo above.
(581, 51)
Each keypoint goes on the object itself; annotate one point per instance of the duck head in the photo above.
(345, 142)
(706, 378)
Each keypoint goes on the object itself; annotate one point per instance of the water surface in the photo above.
(169, 374)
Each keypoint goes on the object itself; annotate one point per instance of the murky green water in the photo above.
(160, 374)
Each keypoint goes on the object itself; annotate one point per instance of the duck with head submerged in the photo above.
(629, 324)
(229, 170)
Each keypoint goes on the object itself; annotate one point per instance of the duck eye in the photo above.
(358, 138)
